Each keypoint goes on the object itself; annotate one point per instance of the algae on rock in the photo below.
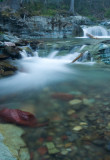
(10, 138)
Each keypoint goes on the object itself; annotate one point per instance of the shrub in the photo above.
(107, 13)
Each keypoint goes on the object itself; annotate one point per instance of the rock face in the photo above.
(12, 146)
(77, 31)
(99, 51)
(41, 26)
(8, 38)
(58, 26)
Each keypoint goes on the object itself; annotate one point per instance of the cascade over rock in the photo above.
(95, 31)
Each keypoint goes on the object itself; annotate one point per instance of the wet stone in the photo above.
(68, 133)
(42, 150)
(108, 126)
(83, 123)
(99, 142)
(50, 145)
(73, 137)
(51, 148)
(70, 112)
(53, 151)
(79, 107)
(69, 149)
(68, 145)
(106, 103)
(107, 157)
(74, 102)
(75, 93)
(107, 147)
(59, 145)
(60, 157)
(88, 102)
(64, 137)
(77, 128)
(49, 138)
(64, 152)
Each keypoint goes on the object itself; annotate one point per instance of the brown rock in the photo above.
(3, 56)
(6, 69)
(62, 96)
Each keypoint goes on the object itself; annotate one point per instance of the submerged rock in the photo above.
(62, 96)
(12, 146)
(88, 102)
(75, 101)
(77, 128)
(5, 153)
(51, 148)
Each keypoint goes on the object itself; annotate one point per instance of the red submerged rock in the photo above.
(19, 117)
(41, 140)
(49, 138)
(31, 155)
(63, 96)
(64, 137)
(42, 150)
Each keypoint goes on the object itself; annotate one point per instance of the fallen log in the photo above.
(81, 54)
(91, 36)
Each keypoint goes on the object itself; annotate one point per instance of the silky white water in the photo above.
(35, 72)
(97, 31)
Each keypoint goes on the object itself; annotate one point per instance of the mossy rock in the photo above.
(6, 69)
(14, 146)
(13, 52)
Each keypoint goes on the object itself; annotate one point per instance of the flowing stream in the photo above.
(78, 127)
(97, 31)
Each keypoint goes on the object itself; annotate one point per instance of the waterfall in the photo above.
(53, 54)
(95, 31)
(23, 54)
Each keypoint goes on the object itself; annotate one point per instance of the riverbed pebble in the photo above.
(77, 128)
(75, 101)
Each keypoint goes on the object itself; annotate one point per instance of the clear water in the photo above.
(32, 90)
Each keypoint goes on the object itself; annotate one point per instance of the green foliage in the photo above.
(92, 18)
(1, 32)
(65, 7)
(49, 12)
(107, 13)
(6, 12)
(93, 9)
(33, 6)
(38, 8)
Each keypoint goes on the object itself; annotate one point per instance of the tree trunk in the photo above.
(72, 7)
(13, 4)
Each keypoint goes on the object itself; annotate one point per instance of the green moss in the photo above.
(107, 13)
(6, 12)
(1, 32)
(49, 12)
(92, 18)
